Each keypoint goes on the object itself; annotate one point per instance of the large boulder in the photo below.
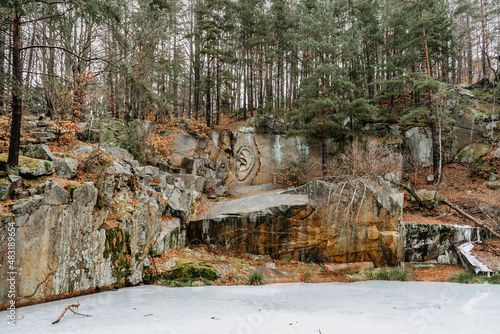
(119, 168)
(434, 242)
(39, 151)
(30, 167)
(344, 222)
(192, 181)
(85, 149)
(493, 185)
(483, 83)
(467, 131)
(418, 142)
(8, 184)
(66, 167)
(472, 153)
(121, 154)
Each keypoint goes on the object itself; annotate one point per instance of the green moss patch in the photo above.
(494, 185)
(472, 153)
(117, 249)
(190, 270)
(27, 162)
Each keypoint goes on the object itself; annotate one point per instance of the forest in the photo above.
(328, 67)
(192, 143)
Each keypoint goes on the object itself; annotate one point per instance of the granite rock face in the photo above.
(93, 236)
(418, 142)
(240, 158)
(435, 242)
(321, 222)
(39, 151)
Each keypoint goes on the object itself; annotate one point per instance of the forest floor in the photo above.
(460, 187)
(236, 269)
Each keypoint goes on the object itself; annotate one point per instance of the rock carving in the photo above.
(245, 161)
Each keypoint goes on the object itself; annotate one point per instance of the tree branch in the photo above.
(49, 17)
(413, 194)
(65, 50)
(69, 308)
(51, 2)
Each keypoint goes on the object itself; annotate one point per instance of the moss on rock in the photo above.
(30, 167)
(472, 153)
(189, 270)
(117, 249)
(494, 185)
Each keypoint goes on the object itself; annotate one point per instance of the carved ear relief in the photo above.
(245, 161)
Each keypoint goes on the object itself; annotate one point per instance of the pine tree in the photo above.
(328, 106)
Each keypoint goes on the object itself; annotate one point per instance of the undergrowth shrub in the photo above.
(484, 168)
(132, 143)
(256, 278)
(66, 131)
(470, 277)
(297, 172)
(363, 159)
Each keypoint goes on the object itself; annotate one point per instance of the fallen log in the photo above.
(466, 215)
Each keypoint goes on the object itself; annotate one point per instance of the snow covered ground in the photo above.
(365, 307)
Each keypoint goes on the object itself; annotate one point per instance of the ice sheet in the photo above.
(365, 307)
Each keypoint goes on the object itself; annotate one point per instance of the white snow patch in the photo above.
(466, 249)
(364, 307)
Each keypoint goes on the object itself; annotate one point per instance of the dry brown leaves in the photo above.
(441, 273)
(458, 187)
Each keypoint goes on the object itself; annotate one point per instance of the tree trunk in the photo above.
(250, 88)
(208, 114)
(469, 52)
(245, 86)
(3, 74)
(261, 82)
(17, 99)
(465, 214)
(217, 88)
(483, 40)
(176, 78)
(197, 66)
(436, 152)
(323, 125)
(269, 87)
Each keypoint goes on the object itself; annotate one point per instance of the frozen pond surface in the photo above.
(365, 307)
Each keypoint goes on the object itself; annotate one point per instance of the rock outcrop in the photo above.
(321, 222)
(8, 185)
(39, 151)
(238, 159)
(94, 235)
(30, 167)
(66, 167)
(435, 242)
(418, 142)
(472, 152)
